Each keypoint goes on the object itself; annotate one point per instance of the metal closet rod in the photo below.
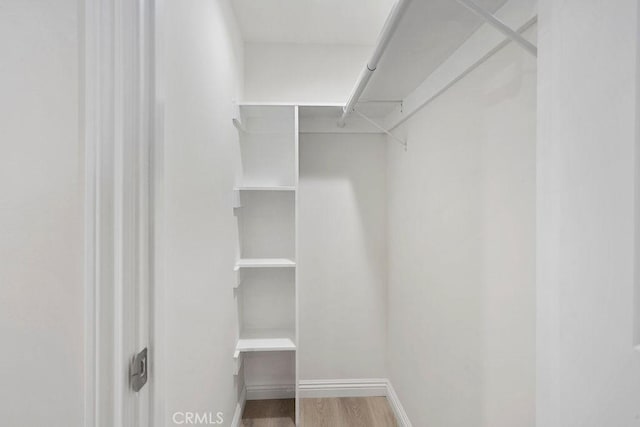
(384, 38)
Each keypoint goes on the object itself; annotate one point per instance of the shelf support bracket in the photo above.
(236, 200)
(500, 26)
(381, 128)
(237, 117)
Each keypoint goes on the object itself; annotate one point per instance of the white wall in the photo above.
(588, 373)
(41, 215)
(202, 67)
(342, 256)
(281, 72)
(461, 328)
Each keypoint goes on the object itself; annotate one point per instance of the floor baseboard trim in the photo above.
(265, 392)
(365, 387)
(237, 415)
(396, 407)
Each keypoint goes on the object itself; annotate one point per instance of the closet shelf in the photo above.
(264, 263)
(261, 130)
(404, 64)
(237, 362)
(265, 340)
(267, 188)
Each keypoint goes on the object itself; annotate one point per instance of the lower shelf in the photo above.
(266, 188)
(266, 340)
(264, 263)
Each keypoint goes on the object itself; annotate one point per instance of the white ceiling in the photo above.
(312, 21)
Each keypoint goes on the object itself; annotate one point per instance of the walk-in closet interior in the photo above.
(349, 203)
(361, 215)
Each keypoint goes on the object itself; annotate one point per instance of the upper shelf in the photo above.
(324, 119)
(427, 34)
(265, 119)
(432, 43)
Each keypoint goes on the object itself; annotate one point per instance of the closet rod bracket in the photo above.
(381, 128)
(500, 26)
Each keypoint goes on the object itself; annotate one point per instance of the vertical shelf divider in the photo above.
(296, 124)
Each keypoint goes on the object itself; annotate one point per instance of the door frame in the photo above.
(117, 60)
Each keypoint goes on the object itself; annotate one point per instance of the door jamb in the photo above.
(108, 33)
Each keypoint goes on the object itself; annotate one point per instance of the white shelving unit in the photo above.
(265, 205)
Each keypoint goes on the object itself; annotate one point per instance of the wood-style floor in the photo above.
(269, 413)
(328, 412)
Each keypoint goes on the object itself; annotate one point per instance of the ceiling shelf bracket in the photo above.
(500, 26)
(381, 128)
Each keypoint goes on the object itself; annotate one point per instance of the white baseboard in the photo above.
(265, 392)
(237, 415)
(365, 387)
(396, 407)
